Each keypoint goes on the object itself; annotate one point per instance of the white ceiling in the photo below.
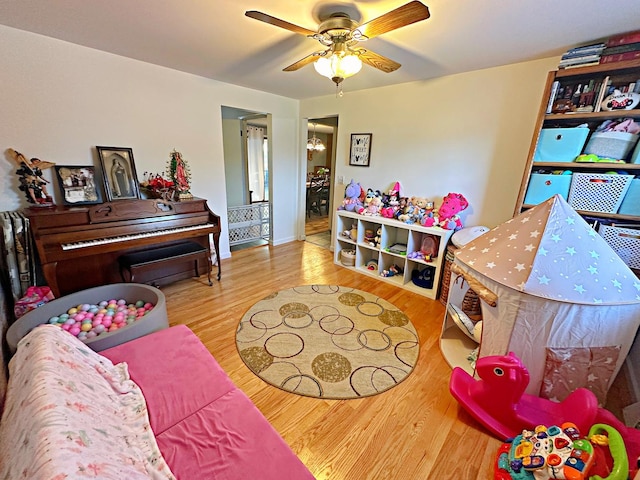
(214, 39)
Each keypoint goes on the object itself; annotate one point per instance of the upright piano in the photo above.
(78, 246)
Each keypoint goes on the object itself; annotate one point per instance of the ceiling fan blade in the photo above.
(377, 61)
(263, 17)
(305, 61)
(400, 17)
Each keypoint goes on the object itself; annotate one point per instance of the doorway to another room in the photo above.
(247, 166)
(321, 152)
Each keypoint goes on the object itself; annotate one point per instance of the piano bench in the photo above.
(147, 259)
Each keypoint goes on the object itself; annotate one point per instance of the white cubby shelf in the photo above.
(392, 232)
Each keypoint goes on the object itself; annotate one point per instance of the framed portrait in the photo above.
(360, 152)
(119, 172)
(78, 185)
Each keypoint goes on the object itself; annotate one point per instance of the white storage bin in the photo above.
(596, 192)
(625, 242)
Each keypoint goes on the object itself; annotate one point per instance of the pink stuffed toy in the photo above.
(447, 216)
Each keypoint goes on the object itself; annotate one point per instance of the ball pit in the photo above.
(88, 321)
(101, 317)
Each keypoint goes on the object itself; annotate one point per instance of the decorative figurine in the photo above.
(180, 174)
(31, 181)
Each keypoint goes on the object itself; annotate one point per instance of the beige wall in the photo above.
(467, 133)
(60, 100)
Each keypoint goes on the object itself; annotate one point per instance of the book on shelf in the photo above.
(579, 65)
(555, 87)
(579, 61)
(603, 89)
(623, 39)
(582, 53)
(629, 47)
(596, 47)
(620, 57)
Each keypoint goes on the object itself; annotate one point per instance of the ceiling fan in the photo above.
(343, 56)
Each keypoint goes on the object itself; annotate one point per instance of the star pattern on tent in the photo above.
(551, 252)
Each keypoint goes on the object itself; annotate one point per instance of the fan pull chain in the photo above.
(339, 92)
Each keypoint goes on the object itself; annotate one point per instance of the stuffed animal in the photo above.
(373, 207)
(378, 237)
(391, 202)
(447, 216)
(353, 196)
(415, 210)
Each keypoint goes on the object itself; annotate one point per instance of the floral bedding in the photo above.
(71, 413)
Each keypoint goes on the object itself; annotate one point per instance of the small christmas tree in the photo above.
(178, 171)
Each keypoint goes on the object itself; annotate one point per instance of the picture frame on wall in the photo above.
(119, 173)
(78, 184)
(360, 151)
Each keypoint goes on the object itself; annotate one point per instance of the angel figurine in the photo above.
(32, 183)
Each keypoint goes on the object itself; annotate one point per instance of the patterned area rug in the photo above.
(328, 341)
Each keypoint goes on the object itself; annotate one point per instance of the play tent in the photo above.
(567, 305)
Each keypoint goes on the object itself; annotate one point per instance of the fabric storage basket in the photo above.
(597, 192)
(616, 145)
(348, 257)
(631, 202)
(625, 242)
(560, 144)
(543, 186)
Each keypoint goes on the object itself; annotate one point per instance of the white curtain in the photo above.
(255, 162)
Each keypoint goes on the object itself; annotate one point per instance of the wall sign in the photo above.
(360, 152)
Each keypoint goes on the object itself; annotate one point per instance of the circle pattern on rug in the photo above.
(328, 341)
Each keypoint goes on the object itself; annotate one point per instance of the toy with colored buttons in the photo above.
(87, 321)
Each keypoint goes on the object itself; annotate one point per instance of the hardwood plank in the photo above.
(416, 430)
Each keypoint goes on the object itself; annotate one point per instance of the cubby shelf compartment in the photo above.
(392, 232)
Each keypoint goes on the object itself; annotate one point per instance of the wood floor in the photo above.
(413, 431)
(416, 430)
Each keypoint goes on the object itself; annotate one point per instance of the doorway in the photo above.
(320, 166)
(247, 165)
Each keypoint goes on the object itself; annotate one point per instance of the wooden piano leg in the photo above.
(50, 274)
(216, 246)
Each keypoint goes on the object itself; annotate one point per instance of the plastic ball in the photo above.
(107, 323)
(148, 305)
(54, 319)
(122, 302)
(139, 303)
(74, 331)
(91, 335)
(66, 326)
(86, 327)
(71, 311)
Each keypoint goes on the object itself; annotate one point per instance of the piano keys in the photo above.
(79, 246)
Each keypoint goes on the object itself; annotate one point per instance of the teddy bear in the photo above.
(447, 216)
(415, 210)
(353, 197)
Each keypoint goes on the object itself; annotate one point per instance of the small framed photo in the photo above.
(360, 152)
(78, 185)
(119, 170)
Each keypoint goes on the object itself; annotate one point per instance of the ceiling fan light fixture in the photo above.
(338, 65)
